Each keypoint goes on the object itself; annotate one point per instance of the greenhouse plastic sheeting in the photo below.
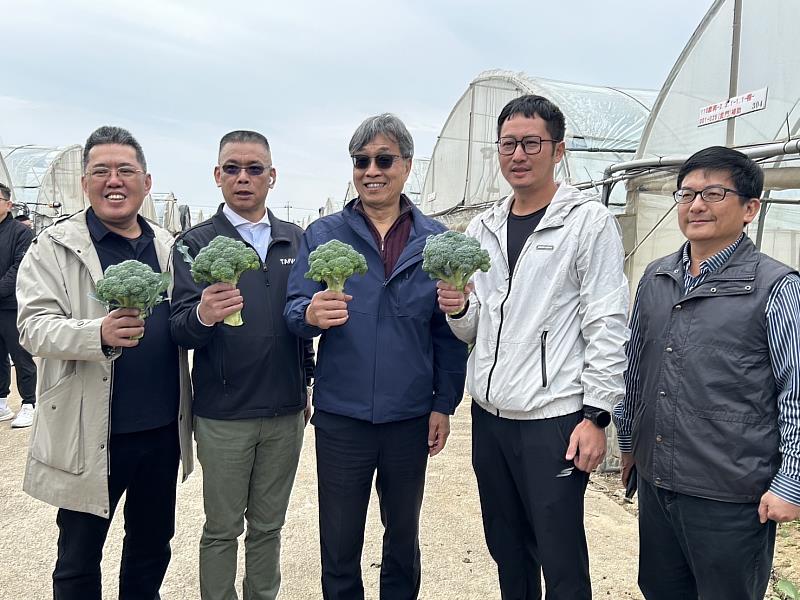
(706, 73)
(604, 126)
(44, 177)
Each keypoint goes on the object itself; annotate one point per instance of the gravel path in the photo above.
(456, 563)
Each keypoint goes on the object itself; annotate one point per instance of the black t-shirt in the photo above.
(519, 230)
(146, 387)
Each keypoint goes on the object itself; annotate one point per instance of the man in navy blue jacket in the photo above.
(389, 372)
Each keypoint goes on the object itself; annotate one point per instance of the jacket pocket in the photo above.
(544, 358)
(57, 439)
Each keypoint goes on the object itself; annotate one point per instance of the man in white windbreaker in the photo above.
(548, 326)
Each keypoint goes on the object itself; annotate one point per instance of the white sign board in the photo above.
(733, 107)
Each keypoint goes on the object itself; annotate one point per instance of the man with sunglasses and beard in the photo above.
(548, 324)
(390, 372)
(250, 382)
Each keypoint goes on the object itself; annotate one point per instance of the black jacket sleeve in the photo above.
(22, 237)
(187, 330)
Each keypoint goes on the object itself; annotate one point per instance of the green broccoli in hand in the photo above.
(333, 262)
(223, 261)
(132, 284)
(453, 257)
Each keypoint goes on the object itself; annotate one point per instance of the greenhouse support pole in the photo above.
(469, 143)
(733, 84)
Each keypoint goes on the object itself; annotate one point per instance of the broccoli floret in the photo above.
(132, 284)
(223, 260)
(333, 262)
(453, 257)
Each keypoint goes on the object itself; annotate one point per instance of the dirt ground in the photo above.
(456, 563)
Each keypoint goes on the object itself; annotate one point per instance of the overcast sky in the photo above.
(305, 73)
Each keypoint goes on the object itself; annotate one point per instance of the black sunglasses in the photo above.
(382, 161)
(252, 170)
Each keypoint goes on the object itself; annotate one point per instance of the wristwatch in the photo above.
(601, 418)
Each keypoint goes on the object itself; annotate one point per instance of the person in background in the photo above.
(15, 239)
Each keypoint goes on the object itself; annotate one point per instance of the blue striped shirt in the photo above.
(783, 339)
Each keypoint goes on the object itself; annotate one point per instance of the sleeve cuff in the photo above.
(441, 405)
(460, 313)
(625, 443)
(786, 488)
(199, 320)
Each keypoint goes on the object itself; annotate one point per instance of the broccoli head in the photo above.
(333, 262)
(223, 261)
(453, 257)
(132, 284)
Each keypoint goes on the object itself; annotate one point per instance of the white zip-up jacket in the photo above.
(550, 337)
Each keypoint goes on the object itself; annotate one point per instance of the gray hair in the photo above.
(108, 134)
(387, 125)
(243, 136)
(5, 192)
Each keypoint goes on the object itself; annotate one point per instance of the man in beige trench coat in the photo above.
(91, 440)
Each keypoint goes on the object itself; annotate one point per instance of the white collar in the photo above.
(238, 220)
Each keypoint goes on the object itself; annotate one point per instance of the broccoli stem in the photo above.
(234, 319)
(335, 285)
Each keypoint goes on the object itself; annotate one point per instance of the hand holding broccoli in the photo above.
(134, 286)
(218, 302)
(452, 258)
(122, 328)
(221, 262)
(332, 262)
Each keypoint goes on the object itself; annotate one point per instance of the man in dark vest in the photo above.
(711, 416)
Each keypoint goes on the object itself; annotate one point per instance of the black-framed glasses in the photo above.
(252, 170)
(382, 161)
(531, 144)
(713, 193)
(102, 173)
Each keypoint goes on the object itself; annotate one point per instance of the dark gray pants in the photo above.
(349, 452)
(23, 362)
(532, 505)
(693, 548)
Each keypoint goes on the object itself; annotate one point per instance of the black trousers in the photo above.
(143, 465)
(23, 361)
(349, 452)
(532, 505)
(693, 548)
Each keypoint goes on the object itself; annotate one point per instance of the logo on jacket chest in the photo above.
(287, 261)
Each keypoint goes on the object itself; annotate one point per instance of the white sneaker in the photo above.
(24, 416)
(6, 414)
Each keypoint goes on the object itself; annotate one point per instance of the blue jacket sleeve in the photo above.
(299, 291)
(449, 365)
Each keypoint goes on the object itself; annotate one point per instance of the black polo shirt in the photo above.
(145, 386)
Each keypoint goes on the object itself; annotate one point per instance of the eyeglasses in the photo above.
(102, 173)
(382, 161)
(713, 193)
(252, 170)
(531, 144)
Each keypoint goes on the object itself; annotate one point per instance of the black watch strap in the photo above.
(598, 416)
